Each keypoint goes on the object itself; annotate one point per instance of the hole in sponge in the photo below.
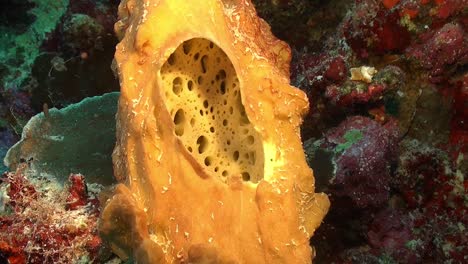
(187, 46)
(179, 117)
(179, 121)
(190, 85)
(171, 59)
(222, 87)
(222, 74)
(208, 161)
(204, 62)
(202, 143)
(177, 85)
(209, 117)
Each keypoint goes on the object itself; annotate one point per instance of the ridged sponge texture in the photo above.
(208, 154)
(204, 100)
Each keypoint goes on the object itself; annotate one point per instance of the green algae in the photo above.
(352, 136)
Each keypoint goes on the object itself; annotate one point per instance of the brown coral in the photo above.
(208, 154)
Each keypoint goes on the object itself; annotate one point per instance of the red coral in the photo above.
(78, 193)
(390, 3)
(336, 71)
(435, 198)
(373, 28)
(447, 8)
(21, 192)
(38, 229)
(10, 254)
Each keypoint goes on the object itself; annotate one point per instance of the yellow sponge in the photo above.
(208, 155)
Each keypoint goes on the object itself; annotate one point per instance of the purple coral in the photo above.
(364, 152)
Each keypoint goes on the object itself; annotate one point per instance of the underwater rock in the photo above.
(364, 152)
(75, 139)
(208, 153)
(432, 114)
(442, 51)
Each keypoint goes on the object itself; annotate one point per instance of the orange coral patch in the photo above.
(390, 3)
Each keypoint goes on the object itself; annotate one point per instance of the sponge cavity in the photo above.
(203, 97)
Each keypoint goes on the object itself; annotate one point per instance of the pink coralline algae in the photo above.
(391, 231)
(442, 51)
(364, 152)
(36, 227)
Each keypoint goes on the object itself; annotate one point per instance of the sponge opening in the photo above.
(203, 97)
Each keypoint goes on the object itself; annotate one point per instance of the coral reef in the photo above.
(386, 134)
(39, 223)
(52, 54)
(418, 96)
